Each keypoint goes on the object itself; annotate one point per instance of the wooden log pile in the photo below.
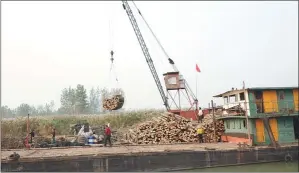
(208, 126)
(168, 128)
(209, 135)
(114, 103)
(171, 128)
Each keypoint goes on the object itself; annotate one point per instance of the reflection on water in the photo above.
(260, 167)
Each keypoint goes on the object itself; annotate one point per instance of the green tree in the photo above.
(6, 112)
(68, 100)
(94, 100)
(97, 101)
(49, 108)
(52, 106)
(33, 110)
(41, 110)
(23, 109)
(73, 100)
(60, 111)
(81, 103)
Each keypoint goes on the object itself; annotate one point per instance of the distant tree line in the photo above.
(73, 101)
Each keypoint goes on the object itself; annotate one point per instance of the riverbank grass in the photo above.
(62, 124)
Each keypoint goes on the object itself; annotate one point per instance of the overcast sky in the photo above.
(48, 46)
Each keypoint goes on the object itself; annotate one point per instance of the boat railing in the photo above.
(286, 107)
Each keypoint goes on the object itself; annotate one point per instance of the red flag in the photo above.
(197, 68)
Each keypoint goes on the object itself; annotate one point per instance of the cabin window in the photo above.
(239, 124)
(242, 96)
(234, 125)
(244, 124)
(232, 98)
(258, 95)
(281, 95)
(236, 98)
(225, 99)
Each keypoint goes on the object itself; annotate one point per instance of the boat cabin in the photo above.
(261, 116)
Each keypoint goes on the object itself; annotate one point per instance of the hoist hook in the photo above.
(171, 61)
(111, 53)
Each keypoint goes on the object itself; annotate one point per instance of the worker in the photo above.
(96, 137)
(200, 115)
(53, 135)
(200, 133)
(32, 134)
(107, 135)
(94, 134)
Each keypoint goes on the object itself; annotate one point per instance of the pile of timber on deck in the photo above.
(172, 128)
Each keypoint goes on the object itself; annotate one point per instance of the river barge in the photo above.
(143, 158)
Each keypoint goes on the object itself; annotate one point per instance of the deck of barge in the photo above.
(142, 157)
(36, 154)
(47, 153)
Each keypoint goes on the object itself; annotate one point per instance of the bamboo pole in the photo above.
(247, 122)
(214, 122)
(28, 124)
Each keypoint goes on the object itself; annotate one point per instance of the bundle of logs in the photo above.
(114, 103)
(170, 128)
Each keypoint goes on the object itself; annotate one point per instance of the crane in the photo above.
(146, 53)
(181, 83)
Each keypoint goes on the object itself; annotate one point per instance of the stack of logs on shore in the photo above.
(114, 103)
(170, 128)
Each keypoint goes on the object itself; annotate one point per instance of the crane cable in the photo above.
(164, 51)
(158, 41)
(112, 66)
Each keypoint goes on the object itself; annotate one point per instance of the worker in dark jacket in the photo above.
(32, 134)
(107, 136)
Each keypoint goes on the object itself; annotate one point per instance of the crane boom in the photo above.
(171, 62)
(146, 52)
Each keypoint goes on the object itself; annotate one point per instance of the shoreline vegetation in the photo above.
(15, 130)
